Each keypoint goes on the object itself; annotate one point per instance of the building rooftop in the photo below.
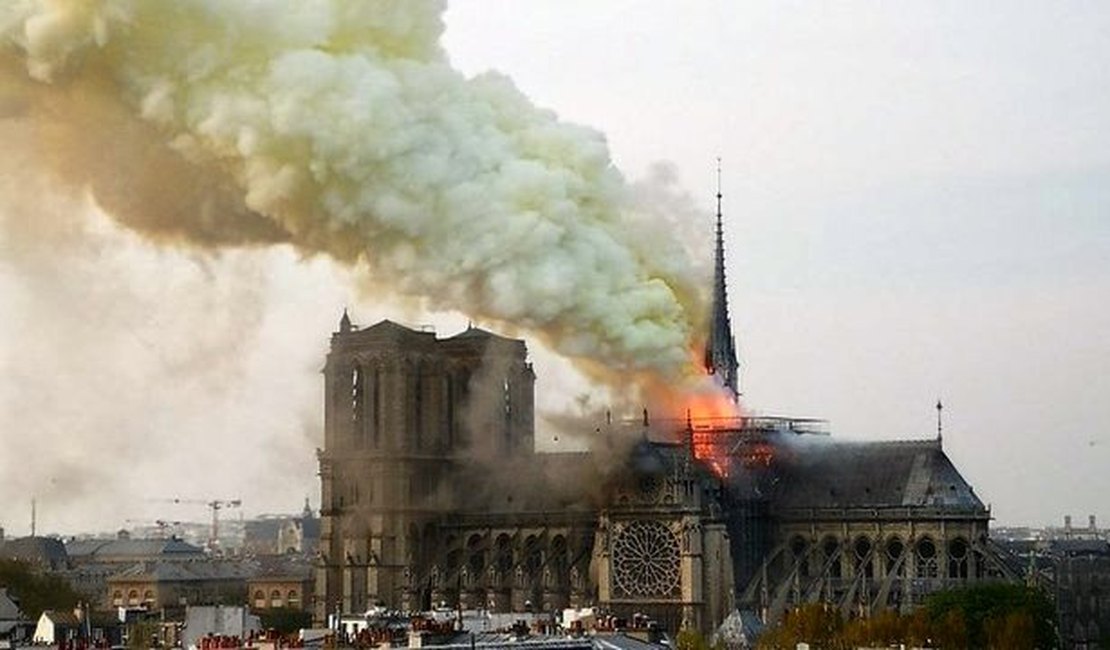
(819, 472)
(44, 551)
(107, 550)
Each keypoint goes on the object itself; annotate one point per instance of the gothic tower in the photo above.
(403, 410)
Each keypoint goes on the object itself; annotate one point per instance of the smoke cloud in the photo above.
(341, 128)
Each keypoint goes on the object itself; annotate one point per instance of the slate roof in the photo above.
(1080, 546)
(182, 572)
(105, 550)
(819, 472)
(45, 551)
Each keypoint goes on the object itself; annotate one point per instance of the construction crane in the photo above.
(162, 525)
(215, 505)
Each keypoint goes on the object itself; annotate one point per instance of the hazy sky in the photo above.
(917, 201)
(916, 206)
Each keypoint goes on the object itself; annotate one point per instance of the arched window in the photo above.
(259, 599)
(830, 549)
(798, 550)
(477, 560)
(293, 599)
(894, 550)
(957, 558)
(358, 404)
(275, 598)
(148, 597)
(133, 597)
(117, 598)
(533, 556)
(557, 560)
(416, 403)
(504, 554)
(926, 558)
(862, 550)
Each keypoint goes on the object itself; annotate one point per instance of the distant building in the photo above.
(282, 534)
(94, 561)
(281, 585)
(71, 628)
(178, 584)
(44, 553)
(1081, 569)
(223, 621)
(11, 619)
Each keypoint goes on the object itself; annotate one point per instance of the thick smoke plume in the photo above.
(341, 128)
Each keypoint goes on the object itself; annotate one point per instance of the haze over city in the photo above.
(914, 207)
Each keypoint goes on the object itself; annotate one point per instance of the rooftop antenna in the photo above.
(33, 517)
(940, 427)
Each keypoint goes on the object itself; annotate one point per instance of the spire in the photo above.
(345, 322)
(720, 346)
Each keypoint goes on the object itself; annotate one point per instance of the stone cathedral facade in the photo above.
(433, 494)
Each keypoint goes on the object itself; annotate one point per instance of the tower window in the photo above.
(507, 411)
(357, 405)
(377, 407)
(418, 408)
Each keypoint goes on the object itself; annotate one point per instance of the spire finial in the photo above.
(719, 195)
(940, 429)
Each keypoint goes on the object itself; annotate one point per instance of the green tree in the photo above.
(285, 620)
(36, 592)
(987, 609)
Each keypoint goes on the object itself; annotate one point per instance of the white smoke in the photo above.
(347, 132)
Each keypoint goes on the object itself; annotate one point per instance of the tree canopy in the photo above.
(35, 591)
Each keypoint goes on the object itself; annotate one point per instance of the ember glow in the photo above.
(712, 417)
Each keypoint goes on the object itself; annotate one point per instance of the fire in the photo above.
(711, 417)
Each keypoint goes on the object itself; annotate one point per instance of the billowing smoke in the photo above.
(340, 127)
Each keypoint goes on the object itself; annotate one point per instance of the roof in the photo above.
(108, 549)
(274, 568)
(182, 572)
(1080, 546)
(819, 472)
(481, 339)
(40, 550)
(59, 617)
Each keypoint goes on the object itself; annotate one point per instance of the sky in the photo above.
(915, 207)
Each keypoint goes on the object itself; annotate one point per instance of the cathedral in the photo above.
(433, 494)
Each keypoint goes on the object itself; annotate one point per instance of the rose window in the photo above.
(646, 560)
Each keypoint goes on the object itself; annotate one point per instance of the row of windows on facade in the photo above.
(367, 400)
(531, 557)
(277, 599)
(863, 556)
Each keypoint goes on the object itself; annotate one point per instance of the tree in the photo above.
(993, 612)
(285, 620)
(36, 592)
(817, 624)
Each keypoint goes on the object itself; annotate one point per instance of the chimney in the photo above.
(1067, 526)
(1091, 524)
